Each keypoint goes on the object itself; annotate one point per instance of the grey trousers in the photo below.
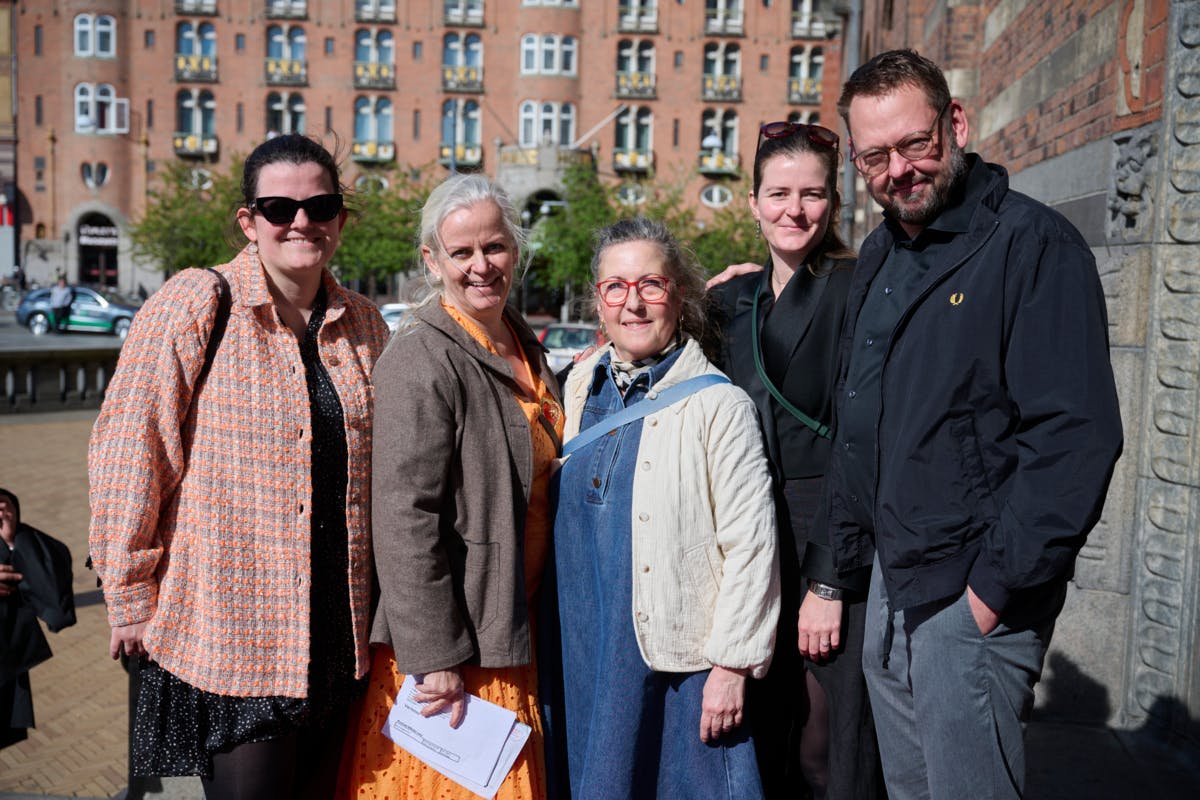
(950, 704)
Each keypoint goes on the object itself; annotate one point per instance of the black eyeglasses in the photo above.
(282, 210)
(651, 288)
(817, 134)
(913, 147)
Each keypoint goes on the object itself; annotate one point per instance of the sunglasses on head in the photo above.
(818, 135)
(282, 210)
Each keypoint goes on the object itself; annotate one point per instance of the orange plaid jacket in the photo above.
(200, 515)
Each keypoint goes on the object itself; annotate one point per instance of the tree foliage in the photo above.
(189, 218)
(380, 237)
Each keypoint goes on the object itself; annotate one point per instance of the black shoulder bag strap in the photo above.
(818, 428)
(224, 305)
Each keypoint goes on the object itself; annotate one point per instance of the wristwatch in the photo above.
(824, 590)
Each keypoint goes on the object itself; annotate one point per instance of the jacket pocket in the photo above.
(479, 570)
(974, 470)
(704, 578)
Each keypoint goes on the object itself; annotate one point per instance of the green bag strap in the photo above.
(818, 428)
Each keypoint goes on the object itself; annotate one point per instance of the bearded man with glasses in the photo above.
(977, 428)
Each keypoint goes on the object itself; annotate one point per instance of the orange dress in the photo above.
(372, 765)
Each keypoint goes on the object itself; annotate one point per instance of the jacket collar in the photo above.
(248, 281)
(432, 314)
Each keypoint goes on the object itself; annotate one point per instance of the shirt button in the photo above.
(335, 361)
(645, 568)
(643, 517)
(653, 423)
(887, 290)
(870, 342)
(853, 498)
(645, 466)
(596, 482)
(852, 393)
(846, 445)
(642, 616)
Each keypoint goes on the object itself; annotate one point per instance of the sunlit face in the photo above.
(637, 329)
(793, 205)
(914, 192)
(477, 260)
(301, 247)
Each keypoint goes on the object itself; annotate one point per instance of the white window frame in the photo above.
(98, 110)
(94, 36)
(380, 114)
(292, 112)
(536, 118)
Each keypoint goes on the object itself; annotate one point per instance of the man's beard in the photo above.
(941, 190)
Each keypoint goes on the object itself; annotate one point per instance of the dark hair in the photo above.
(288, 148)
(684, 272)
(831, 245)
(16, 503)
(887, 72)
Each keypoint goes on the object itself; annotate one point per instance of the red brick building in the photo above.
(668, 90)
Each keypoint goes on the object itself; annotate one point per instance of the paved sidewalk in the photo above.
(78, 746)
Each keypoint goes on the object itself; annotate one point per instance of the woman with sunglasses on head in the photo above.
(469, 425)
(230, 524)
(664, 540)
(781, 327)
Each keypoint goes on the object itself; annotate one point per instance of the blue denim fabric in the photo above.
(630, 732)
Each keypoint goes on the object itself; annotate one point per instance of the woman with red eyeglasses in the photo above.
(780, 330)
(230, 497)
(664, 540)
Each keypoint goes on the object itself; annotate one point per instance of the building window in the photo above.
(373, 120)
(764, 62)
(328, 45)
(148, 39)
(804, 74)
(240, 117)
(723, 16)
(37, 40)
(463, 12)
(805, 117)
(239, 42)
(675, 133)
(94, 175)
(549, 54)
(37, 111)
(95, 35)
(716, 195)
(149, 115)
(722, 72)
(678, 59)
(374, 48)
(99, 110)
(719, 129)
(285, 113)
(195, 113)
(546, 122)
(417, 51)
(462, 51)
(286, 42)
(637, 15)
(416, 125)
(633, 131)
(328, 119)
(197, 40)
(461, 135)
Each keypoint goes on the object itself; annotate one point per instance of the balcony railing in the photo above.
(197, 7)
(56, 379)
(815, 26)
(286, 9)
(462, 79)
(630, 160)
(804, 91)
(374, 75)
(721, 87)
(465, 155)
(195, 67)
(194, 145)
(718, 23)
(287, 72)
(463, 17)
(378, 14)
(370, 150)
(635, 19)
(719, 163)
(635, 84)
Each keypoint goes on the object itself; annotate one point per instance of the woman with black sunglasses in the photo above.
(230, 488)
(781, 327)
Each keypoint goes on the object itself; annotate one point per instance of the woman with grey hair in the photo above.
(468, 424)
(667, 575)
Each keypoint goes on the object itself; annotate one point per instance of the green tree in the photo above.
(189, 217)
(380, 238)
(563, 240)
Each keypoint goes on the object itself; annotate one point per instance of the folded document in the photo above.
(477, 754)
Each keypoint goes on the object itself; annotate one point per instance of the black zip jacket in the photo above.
(999, 427)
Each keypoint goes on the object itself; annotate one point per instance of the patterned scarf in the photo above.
(624, 373)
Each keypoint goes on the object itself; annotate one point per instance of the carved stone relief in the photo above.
(1129, 196)
(1164, 659)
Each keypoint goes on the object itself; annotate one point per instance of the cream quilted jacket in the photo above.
(706, 572)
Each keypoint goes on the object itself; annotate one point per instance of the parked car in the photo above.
(99, 309)
(564, 340)
(393, 313)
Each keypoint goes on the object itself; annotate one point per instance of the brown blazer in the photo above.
(452, 464)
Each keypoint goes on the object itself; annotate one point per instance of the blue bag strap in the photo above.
(642, 408)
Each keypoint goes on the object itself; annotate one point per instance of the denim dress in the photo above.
(630, 732)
